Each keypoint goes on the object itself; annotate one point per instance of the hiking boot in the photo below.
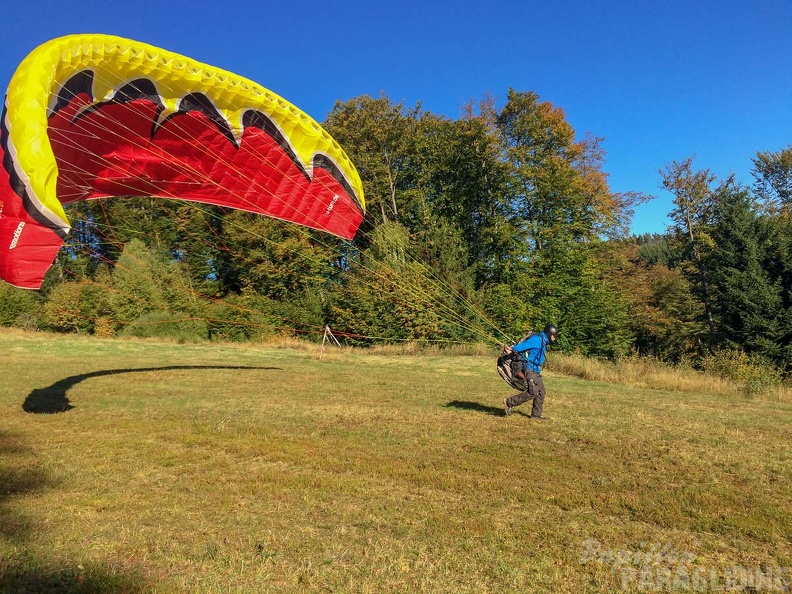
(506, 408)
(539, 419)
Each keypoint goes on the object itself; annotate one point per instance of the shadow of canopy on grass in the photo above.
(52, 399)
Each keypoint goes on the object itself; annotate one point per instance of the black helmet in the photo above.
(551, 330)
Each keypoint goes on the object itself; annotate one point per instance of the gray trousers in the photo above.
(536, 392)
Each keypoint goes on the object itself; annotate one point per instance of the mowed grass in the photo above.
(222, 468)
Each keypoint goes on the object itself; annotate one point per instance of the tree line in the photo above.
(477, 229)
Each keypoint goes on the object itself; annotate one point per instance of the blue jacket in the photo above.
(533, 350)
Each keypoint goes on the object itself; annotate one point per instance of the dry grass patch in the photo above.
(644, 372)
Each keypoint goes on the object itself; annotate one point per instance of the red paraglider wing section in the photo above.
(128, 149)
(32, 254)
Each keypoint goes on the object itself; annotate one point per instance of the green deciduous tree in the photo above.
(465, 182)
(390, 295)
(663, 315)
(273, 258)
(556, 182)
(773, 174)
(76, 306)
(136, 288)
(380, 137)
(692, 214)
(18, 307)
(561, 202)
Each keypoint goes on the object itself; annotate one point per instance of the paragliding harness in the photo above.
(511, 368)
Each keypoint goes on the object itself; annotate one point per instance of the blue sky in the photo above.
(660, 81)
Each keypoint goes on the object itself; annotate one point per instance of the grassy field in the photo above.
(152, 467)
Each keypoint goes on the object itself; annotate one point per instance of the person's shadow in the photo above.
(483, 408)
(52, 399)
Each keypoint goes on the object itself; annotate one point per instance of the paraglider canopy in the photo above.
(95, 116)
